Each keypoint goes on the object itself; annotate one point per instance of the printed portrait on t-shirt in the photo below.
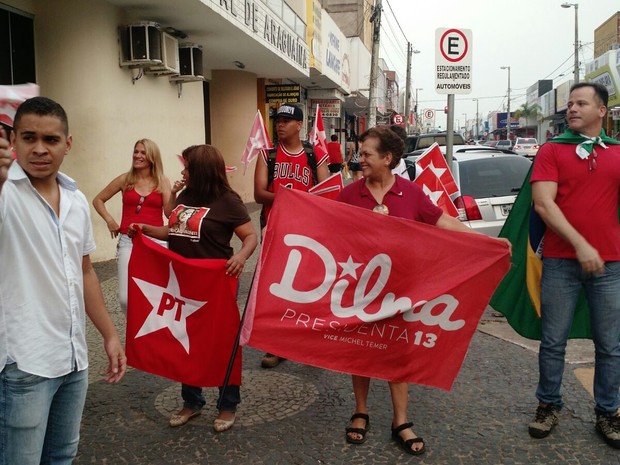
(186, 221)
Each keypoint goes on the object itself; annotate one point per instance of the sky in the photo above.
(534, 37)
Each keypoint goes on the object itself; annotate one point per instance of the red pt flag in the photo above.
(433, 159)
(258, 140)
(317, 135)
(435, 190)
(344, 288)
(182, 316)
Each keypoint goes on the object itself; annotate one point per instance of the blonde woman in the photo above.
(145, 191)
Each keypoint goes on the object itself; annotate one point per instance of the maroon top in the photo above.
(404, 200)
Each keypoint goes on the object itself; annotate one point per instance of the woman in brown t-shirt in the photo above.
(204, 217)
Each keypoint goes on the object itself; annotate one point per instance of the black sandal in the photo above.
(406, 444)
(361, 431)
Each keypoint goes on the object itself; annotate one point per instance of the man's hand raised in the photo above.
(5, 156)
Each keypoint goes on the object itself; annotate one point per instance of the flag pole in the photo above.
(231, 362)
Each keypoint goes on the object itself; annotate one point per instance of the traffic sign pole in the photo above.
(453, 63)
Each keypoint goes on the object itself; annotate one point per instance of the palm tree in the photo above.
(528, 112)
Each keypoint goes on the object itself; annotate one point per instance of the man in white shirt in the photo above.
(47, 285)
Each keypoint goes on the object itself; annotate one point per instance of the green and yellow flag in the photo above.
(518, 295)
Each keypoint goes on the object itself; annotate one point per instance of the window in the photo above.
(16, 48)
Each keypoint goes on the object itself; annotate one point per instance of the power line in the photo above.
(395, 19)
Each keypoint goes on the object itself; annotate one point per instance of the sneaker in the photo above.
(609, 427)
(270, 361)
(546, 418)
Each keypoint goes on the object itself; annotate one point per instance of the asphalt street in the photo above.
(296, 414)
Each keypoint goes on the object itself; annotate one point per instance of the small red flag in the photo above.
(433, 158)
(317, 136)
(435, 190)
(257, 141)
(329, 188)
(182, 316)
(11, 97)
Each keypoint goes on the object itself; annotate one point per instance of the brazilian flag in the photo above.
(518, 295)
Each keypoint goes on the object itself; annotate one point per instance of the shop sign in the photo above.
(254, 17)
(283, 93)
(329, 108)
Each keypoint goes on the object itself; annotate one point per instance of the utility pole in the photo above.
(477, 121)
(375, 18)
(508, 110)
(408, 87)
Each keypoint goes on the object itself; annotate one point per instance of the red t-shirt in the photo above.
(334, 150)
(150, 211)
(587, 197)
(404, 200)
(291, 170)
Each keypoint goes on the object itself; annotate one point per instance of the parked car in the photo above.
(489, 181)
(490, 143)
(504, 144)
(424, 141)
(526, 146)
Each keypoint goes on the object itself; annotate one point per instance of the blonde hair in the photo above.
(153, 155)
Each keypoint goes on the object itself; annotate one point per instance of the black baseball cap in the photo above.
(291, 112)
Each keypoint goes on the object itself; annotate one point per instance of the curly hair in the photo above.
(389, 142)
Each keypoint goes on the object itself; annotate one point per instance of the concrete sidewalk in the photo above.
(296, 414)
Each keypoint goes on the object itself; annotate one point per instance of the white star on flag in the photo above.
(349, 267)
(438, 171)
(433, 195)
(170, 309)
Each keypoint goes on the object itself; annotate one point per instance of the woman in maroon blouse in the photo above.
(385, 193)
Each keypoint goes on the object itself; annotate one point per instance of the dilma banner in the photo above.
(350, 290)
(182, 316)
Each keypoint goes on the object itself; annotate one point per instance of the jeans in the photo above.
(40, 417)
(123, 253)
(562, 282)
(194, 400)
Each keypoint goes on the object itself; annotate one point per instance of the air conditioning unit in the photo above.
(170, 57)
(141, 44)
(190, 63)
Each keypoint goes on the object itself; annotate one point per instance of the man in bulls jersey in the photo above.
(294, 166)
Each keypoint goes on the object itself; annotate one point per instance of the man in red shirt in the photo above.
(292, 170)
(575, 183)
(334, 150)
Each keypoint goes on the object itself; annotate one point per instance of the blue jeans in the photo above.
(562, 282)
(40, 417)
(194, 400)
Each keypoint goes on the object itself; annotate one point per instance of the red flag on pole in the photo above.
(182, 316)
(317, 136)
(383, 307)
(11, 97)
(329, 188)
(257, 141)
(435, 190)
(433, 158)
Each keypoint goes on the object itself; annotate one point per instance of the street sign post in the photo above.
(453, 59)
(398, 119)
(453, 74)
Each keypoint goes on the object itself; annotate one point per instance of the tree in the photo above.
(528, 112)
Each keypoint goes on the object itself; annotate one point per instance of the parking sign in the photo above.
(453, 59)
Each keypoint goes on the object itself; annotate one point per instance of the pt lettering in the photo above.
(168, 302)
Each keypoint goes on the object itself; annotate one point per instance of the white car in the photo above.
(489, 181)
(526, 146)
